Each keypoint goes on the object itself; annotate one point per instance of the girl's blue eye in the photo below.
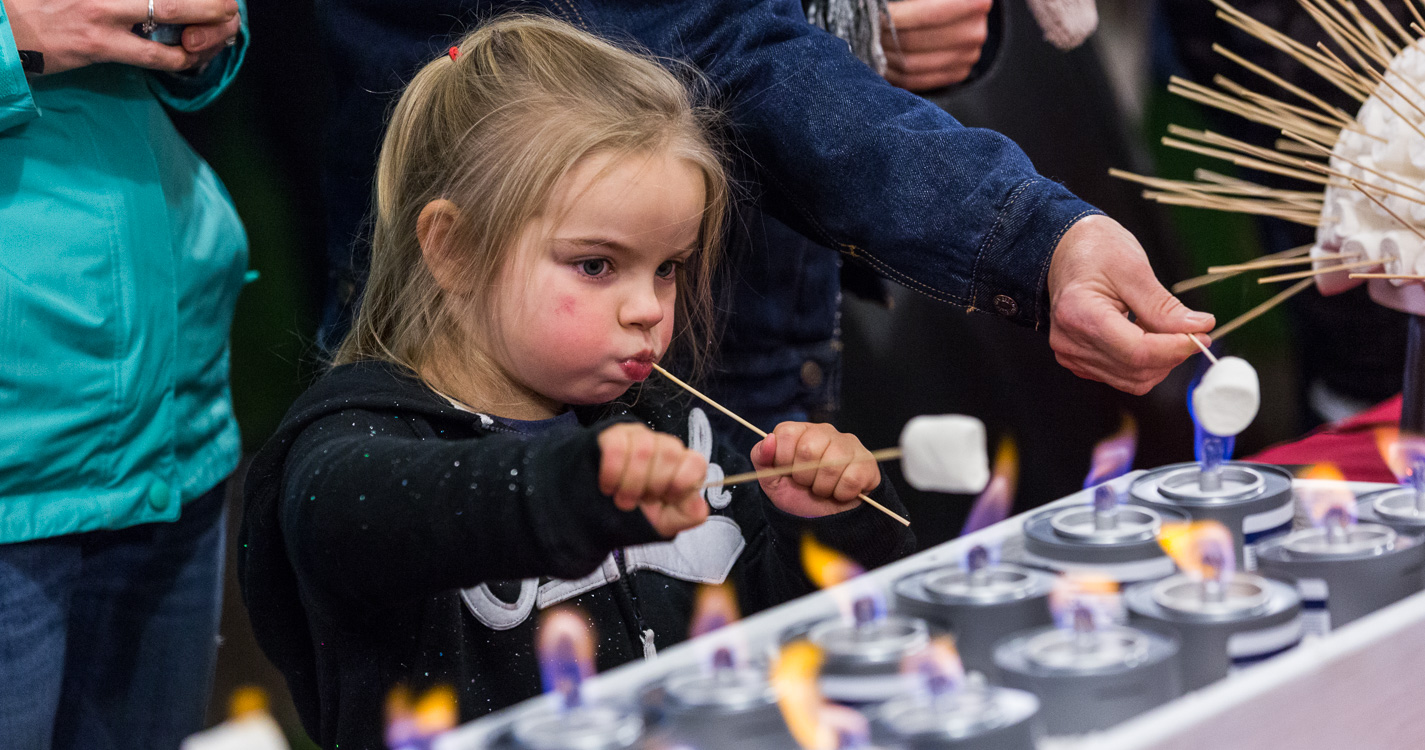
(666, 269)
(594, 266)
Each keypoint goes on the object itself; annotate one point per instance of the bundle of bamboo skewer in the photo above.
(1365, 61)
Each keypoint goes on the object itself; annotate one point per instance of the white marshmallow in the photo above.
(1226, 400)
(945, 453)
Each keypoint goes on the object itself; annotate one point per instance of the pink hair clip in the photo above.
(454, 53)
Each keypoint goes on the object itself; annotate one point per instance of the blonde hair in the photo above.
(493, 127)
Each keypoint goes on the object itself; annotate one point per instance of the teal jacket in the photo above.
(121, 257)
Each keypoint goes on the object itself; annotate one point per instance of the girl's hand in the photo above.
(655, 472)
(75, 33)
(815, 492)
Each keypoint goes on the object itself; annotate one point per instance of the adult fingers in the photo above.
(176, 11)
(1156, 308)
(938, 38)
(928, 81)
(914, 14)
(131, 49)
(1091, 337)
(201, 38)
(921, 63)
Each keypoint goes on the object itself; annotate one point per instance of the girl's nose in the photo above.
(641, 308)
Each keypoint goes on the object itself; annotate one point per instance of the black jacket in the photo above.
(390, 538)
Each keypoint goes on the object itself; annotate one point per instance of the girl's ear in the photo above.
(435, 231)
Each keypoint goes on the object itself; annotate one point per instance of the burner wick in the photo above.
(1105, 508)
(1417, 481)
(1210, 478)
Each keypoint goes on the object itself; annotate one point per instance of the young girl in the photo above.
(547, 213)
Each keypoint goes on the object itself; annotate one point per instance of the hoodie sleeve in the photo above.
(371, 512)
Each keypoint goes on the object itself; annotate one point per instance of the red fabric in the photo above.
(1349, 444)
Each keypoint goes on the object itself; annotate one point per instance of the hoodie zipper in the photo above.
(641, 635)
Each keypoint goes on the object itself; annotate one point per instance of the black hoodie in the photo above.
(390, 538)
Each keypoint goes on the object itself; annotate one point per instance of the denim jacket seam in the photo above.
(991, 236)
(939, 295)
(1049, 260)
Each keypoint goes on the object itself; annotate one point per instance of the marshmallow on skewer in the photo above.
(1227, 399)
(945, 453)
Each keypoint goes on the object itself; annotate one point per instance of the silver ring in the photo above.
(231, 41)
(149, 25)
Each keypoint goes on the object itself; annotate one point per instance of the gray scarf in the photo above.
(857, 22)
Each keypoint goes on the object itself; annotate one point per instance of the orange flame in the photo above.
(813, 722)
(247, 700)
(565, 646)
(1113, 456)
(1085, 594)
(436, 711)
(993, 505)
(825, 566)
(715, 607)
(938, 667)
(1204, 549)
(1399, 451)
(1327, 496)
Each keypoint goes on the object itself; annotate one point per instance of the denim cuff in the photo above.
(1012, 266)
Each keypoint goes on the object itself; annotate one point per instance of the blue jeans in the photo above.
(108, 639)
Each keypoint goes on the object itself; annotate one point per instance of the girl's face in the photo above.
(586, 302)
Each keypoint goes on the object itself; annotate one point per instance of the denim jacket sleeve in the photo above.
(956, 213)
(16, 104)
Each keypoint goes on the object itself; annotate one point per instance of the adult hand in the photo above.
(75, 33)
(208, 40)
(1099, 274)
(653, 471)
(811, 493)
(935, 42)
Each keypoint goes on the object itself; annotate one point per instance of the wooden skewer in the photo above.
(1407, 276)
(1256, 264)
(1203, 347)
(1386, 209)
(1255, 312)
(1204, 280)
(884, 454)
(1329, 269)
(762, 433)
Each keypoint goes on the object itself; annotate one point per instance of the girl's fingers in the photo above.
(642, 447)
(862, 476)
(614, 449)
(764, 453)
(827, 478)
(691, 473)
(788, 433)
(666, 460)
(811, 447)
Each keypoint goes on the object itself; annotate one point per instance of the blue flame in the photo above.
(1204, 443)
